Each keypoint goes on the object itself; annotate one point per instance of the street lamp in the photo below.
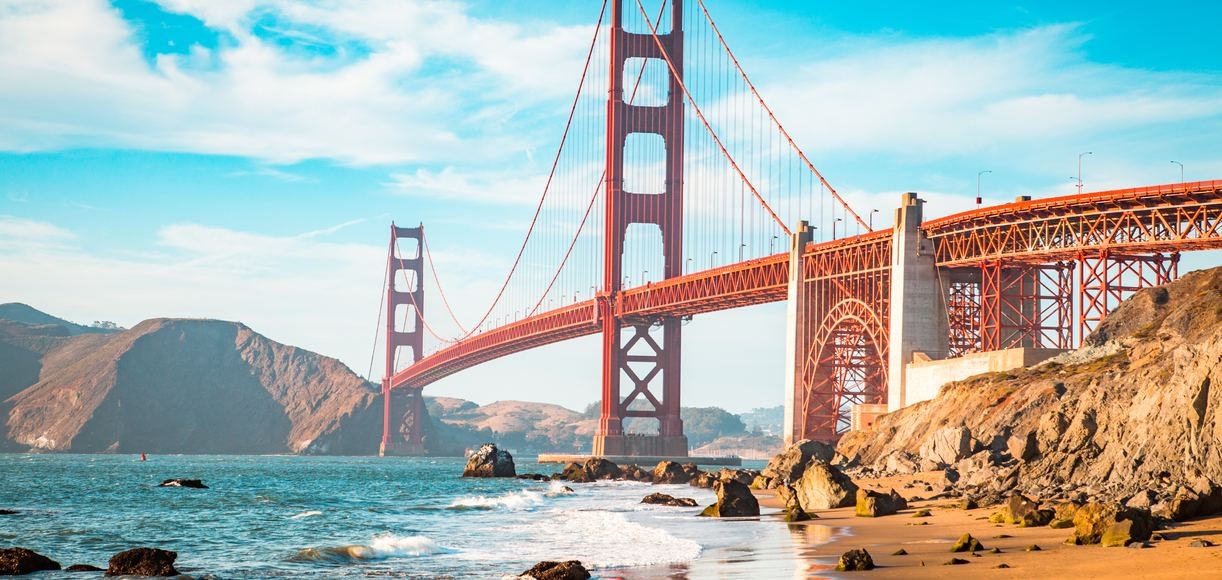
(834, 227)
(772, 246)
(644, 276)
(688, 265)
(872, 212)
(742, 246)
(1080, 169)
(979, 200)
(1181, 170)
(711, 258)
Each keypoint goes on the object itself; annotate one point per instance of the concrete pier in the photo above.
(918, 314)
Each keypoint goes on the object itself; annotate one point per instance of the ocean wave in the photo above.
(306, 514)
(600, 539)
(379, 548)
(515, 501)
(555, 488)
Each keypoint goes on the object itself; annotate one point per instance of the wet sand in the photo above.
(928, 545)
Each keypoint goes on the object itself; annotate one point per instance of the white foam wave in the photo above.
(555, 488)
(379, 548)
(306, 514)
(516, 501)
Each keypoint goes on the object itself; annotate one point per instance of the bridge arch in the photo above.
(846, 364)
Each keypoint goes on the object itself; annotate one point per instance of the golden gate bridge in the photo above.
(676, 191)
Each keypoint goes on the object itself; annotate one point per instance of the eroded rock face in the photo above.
(858, 560)
(871, 504)
(143, 562)
(1134, 416)
(1111, 525)
(19, 561)
(548, 570)
(489, 461)
(734, 500)
(788, 465)
(823, 487)
(663, 499)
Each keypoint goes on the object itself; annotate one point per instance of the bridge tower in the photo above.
(403, 411)
(655, 359)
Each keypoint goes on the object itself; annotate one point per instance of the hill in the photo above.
(26, 314)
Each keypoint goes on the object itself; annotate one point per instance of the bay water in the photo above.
(337, 517)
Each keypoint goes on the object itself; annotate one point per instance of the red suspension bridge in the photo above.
(675, 191)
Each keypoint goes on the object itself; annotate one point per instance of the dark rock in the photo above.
(968, 504)
(1203, 499)
(489, 461)
(1138, 545)
(789, 464)
(1002, 565)
(995, 550)
(1111, 525)
(956, 562)
(535, 477)
(871, 504)
(1200, 543)
(762, 482)
(143, 562)
(83, 568)
(18, 561)
(858, 560)
(704, 480)
(192, 483)
(636, 473)
(900, 552)
(734, 499)
(822, 487)
(1062, 517)
(743, 476)
(1034, 548)
(921, 513)
(9, 512)
(670, 472)
(663, 499)
(966, 543)
(1019, 509)
(548, 570)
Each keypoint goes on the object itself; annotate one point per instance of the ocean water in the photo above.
(336, 517)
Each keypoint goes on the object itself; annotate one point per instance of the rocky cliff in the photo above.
(1136, 408)
(179, 386)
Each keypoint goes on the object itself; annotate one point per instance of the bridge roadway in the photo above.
(1157, 219)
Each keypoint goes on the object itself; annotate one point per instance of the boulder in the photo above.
(704, 480)
(790, 463)
(548, 570)
(1110, 524)
(9, 512)
(734, 500)
(83, 568)
(1062, 517)
(858, 560)
(636, 473)
(871, 504)
(663, 499)
(1025, 512)
(598, 468)
(143, 562)
(762, 482)
(902, 463)
(947, 446)
(18, 561)
(823, 487)
(534, 477)
(1023, 447)
(1201, 499)
(192, 483)
(670, 472)
(743, 476)
(966, 543)
(489, 461)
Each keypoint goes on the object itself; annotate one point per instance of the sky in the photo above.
(242, 159)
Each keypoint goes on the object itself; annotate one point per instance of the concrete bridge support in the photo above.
(918, 311)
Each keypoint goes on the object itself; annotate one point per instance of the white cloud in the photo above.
(18, 229)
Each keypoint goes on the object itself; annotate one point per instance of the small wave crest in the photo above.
(516, 501)
(555, 488)
(306, 514)
(379, 548)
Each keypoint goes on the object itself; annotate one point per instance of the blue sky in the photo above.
(241, 159)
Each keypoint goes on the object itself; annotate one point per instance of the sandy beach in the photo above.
(928, 539)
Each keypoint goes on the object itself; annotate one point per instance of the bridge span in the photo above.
(1036, 273)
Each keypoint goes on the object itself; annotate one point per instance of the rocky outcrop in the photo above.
(871, 504)
(858, 560)
(671, 472)
(143, 562)
(19, 561)
(548, 570)
(967, 543)
(189, 386)
(734, 500)
(1111, 525)
(489, 461)
(192, 483)
(1136, 409)
(663, 499)
(83, 568)
(789, 464)
(592, 469)
(822, 486)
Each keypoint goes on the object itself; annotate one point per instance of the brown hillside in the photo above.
(192, 386)
(1137, 407)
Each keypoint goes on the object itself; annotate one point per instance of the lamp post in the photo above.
(741, 247)
(711, 258)
(1080, 169)
(1181, 170)
(872, 212)
(979, 199)
(644, 276)
(834, 228)
(688, 266)
(772, 246)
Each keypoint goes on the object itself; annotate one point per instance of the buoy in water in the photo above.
(142, 457)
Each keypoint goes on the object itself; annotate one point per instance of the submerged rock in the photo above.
(143, 562)
(489, 461)
(663, 499)
(858, 560)
(548, 570)
(191, 483)
(734, 500)
(535, 477)
(18, 561)
(83, 568)
(636, 473)
(823, 487)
